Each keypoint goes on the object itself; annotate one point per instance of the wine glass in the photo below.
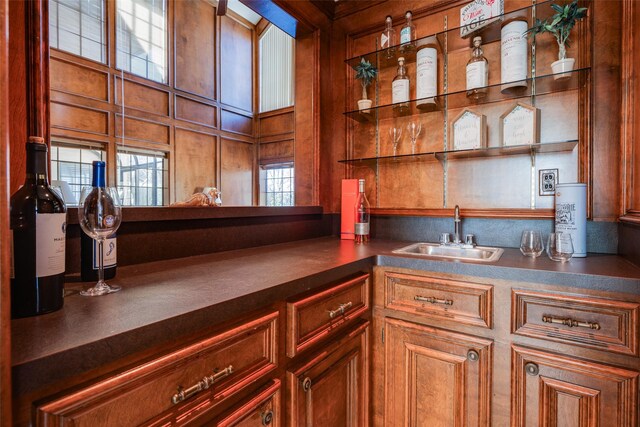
(99, 214)
(396, 135)
(414, 129)
(560, 247)
(531, 243)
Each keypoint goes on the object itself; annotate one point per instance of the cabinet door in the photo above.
(550, 390)
(436, 378)
(331, 389)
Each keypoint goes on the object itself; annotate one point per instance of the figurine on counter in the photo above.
(210, 196)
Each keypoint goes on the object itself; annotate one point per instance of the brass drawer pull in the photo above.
(267, 417)
(433, 300)
(571, 322)
(203, 384)
(340, 310)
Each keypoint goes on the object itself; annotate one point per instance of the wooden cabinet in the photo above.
(176, 387)
(318, 315)
(331, 388)
(552, 390)
(435, 377)
(494, 352)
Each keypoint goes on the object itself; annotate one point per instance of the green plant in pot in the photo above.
(560, 25)
(366, 73)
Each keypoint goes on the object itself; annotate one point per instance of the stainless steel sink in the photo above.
(477, 253)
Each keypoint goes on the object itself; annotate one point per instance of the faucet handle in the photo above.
(469, 240)
(445, 238)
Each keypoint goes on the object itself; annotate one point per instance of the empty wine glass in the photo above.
(560, 247)
(396, 135)
(531, 243)
(99, 214)
(414, 129)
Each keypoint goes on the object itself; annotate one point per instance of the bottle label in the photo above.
(400, 91)
(405, 35)
(427, 73)
(362, 228)
(109, 253)
(384, 40)
(50, 243)
(476, 75)
(514, 52)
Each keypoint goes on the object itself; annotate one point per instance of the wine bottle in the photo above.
(38, 222)
(363, 216)
(89, 262)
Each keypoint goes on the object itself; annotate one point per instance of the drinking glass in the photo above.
(99, 214)
(396, 135)
(414, 129)
(531, 243)
(560, 247)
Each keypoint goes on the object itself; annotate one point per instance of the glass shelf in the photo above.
(544, 85)
(490, 33)
(515, 150)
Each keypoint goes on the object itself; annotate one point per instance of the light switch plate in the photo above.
(548, 180)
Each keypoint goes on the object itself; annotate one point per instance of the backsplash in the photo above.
(629, 241)
(602, 237)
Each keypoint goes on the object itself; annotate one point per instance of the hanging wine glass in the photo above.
(396, 135)
(99, 214)
(414, 129)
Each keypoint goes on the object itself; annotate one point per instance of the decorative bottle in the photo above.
(426, 76)
(89, 262)
(38, 228)
(362, 216)
(407, 34)
(388, 37)
(513, 52)
(477, 72)
(400, 88)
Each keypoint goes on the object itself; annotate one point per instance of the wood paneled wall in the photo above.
(202, 118)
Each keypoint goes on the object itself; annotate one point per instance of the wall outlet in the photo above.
(548, 180)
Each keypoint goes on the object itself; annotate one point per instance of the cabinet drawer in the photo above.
(436, 298)
(260, 409)
(314, 317)
(604, 324)
(220, 366)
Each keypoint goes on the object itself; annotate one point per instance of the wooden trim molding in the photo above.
(5, 254)
(629, 114)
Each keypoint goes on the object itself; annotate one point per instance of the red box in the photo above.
(348, 212)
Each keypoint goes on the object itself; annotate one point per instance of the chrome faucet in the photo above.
(456, 225)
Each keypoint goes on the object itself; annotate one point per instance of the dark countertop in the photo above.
(166, 300)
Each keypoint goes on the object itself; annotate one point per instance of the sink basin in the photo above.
(478, 253)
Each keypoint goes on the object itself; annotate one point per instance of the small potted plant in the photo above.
(365, 72)
(560, 25)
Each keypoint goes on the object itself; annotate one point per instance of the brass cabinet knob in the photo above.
(267, 417)
(306, 384)
(531, 369)
(473, 355)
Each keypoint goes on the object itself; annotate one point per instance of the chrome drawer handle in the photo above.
(203, 384)
(571, 322)
(340, 310)
(433, 300)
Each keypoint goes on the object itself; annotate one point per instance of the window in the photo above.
(278, 185)
(141, 38)
(276, 69)
(73, 164)
(78, 27)
(142, 178)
